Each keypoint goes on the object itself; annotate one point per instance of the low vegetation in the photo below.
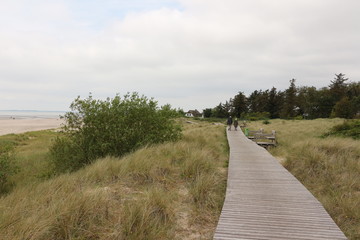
(346, 129)
(173, 190)
(329, 167)
(29, 158)
(113, 127)
(7, 166)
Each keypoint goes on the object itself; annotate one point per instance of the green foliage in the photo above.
(343, 109)
(257, 101)
(338, 87)
(339, 99)
(7, 166)
(266, 122)
(240, 105)
(256, 116)
(221, 110)
(207, 112)
(275, 102)
(346, 129)
(298, 118)
(96, 128)
(290, 108)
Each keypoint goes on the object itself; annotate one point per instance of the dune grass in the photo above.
(31, 156)
(328, 167)
(167, 191)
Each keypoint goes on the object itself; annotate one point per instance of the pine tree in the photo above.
(274, 104)
(338, 87)
(239, 104)
(289, 108)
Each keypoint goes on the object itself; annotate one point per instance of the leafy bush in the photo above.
(346, 129)
(96, 128)
(7, 166)
(255, 116)
(298, 117)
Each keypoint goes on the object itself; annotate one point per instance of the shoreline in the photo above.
(19, 125)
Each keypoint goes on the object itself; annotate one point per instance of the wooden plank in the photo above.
(265, 143)
(264, 201)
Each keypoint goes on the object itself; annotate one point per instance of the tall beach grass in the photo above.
(167, 191)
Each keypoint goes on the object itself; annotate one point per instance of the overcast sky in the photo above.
(192, 54)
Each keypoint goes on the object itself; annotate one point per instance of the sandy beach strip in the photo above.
(8, 126)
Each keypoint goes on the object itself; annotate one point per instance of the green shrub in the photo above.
(114, 127)
(255, 116)
(266, 122)
(346, 129)
(298, 117)
(7, 166)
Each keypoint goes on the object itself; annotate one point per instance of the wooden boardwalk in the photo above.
(264, 201)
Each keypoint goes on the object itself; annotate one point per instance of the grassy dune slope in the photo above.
(31, 155)
(328, 167)
(168, 191)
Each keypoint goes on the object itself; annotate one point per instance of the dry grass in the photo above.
(328, 167)
(168, 191)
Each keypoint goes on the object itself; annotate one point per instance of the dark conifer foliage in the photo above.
(340, 99)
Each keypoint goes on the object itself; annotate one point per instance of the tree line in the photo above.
(340, 99)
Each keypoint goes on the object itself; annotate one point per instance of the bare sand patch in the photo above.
(8, 126)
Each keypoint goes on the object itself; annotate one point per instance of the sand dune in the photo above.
(8, 126)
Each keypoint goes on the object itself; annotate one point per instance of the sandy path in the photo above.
(8, 126)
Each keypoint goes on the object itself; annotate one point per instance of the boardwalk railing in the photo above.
(264, 201)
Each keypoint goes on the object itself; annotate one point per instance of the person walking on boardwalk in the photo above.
(229, 123)
(236, 124)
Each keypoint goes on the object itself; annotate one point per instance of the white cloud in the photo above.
(192, 56)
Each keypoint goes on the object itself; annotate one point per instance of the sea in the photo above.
(26, 114)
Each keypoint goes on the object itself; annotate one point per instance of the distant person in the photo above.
(236, 124)
(229, 123)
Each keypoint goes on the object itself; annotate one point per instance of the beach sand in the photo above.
(16, 126)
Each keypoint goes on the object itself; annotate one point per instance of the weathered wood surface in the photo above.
(263, 139)
(264, 201)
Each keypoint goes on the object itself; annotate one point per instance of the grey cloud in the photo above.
(192, 57)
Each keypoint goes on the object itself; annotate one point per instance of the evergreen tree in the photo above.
(228, 107)
(219, 111)
(239, 104)
(338, 87)
(274, 104)
(306, 101)
(252, 103)
(355, 102)
(258, 101)
(323, 103)
(289, 108)
(353, 90)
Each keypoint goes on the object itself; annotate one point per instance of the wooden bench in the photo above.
(251, 134)
(263, 139)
